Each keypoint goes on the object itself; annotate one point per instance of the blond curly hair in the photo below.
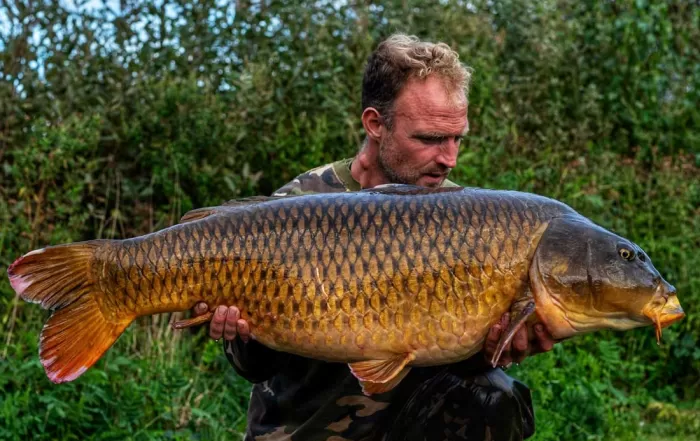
(402, 57)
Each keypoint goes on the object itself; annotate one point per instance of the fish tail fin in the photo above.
(78, 332)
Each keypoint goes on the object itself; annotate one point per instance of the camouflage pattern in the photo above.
(295, 398)
(329, 178)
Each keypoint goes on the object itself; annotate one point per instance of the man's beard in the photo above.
(393, 165)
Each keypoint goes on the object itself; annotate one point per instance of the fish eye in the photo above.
(626, 254)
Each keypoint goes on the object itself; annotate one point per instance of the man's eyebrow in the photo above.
(430, 135)
(439, 135)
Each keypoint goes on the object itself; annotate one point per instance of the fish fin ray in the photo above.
(59, 278)
(198, 214)
(193, 321)
(513, 327)
(373, 388)
(204, 212)
(54, 276)
(75, 337)
(252, 200)
(380, 371)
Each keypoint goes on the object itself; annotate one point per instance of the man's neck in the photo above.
(364, 168)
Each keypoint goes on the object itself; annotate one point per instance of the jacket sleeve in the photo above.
(254, 361)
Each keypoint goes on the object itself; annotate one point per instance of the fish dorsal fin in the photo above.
(201, 213)
(377, 376)
(408, 189)
(252, 200)
(197, 214)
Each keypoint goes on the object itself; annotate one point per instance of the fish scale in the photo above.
(379, 279)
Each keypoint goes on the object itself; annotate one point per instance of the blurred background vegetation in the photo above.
(117, 118)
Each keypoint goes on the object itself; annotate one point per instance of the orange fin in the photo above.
(381, 371)
(513, 327)
(372, 388)
(77, 333)
(75, 337)
(193, 321)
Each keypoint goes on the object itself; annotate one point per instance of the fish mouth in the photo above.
(663, 311)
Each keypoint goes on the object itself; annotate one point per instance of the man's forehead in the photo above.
(431, 97)
(433, 111)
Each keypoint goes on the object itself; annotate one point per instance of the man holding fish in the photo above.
(415, 115)
(403, 288)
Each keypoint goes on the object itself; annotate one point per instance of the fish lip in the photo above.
(670, 316)
(663, 314)
(671, 311)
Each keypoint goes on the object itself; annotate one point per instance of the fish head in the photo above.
(585, 278)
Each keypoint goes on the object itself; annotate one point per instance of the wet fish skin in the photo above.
(341, 278)
(383, 279)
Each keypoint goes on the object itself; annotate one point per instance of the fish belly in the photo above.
(340, 278)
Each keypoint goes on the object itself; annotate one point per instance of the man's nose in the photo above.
(448, 154)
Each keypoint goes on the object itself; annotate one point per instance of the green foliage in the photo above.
(113, 123)
(168, 388)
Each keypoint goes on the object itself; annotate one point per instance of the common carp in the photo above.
(383, 279)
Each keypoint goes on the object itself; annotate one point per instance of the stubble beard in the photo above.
(391, 162)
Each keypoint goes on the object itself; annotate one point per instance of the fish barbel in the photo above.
(382, 279)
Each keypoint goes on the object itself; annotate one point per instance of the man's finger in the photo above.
(199, 309)
(505, 319)
(545, 341)
(520, 343)
(231, 321)
(243, 330)
(216, 327)
(506, 358)
(492, 341)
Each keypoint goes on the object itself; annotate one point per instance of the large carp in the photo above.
(382, 279)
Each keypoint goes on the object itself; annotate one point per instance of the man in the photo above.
(414, 102)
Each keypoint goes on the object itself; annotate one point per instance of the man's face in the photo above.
(428, 125)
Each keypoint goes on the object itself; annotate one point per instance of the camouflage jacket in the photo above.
(329, 178)
(299, 399)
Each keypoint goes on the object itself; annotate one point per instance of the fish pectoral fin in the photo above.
(381, 375)
(373, 388)
(193, 321)
(521, 316)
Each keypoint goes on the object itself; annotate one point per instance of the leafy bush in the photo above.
(113, 123)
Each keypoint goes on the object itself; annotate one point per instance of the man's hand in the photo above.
(521, 346)
(226, 322)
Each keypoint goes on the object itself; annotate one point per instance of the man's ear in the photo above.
(373, 124)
